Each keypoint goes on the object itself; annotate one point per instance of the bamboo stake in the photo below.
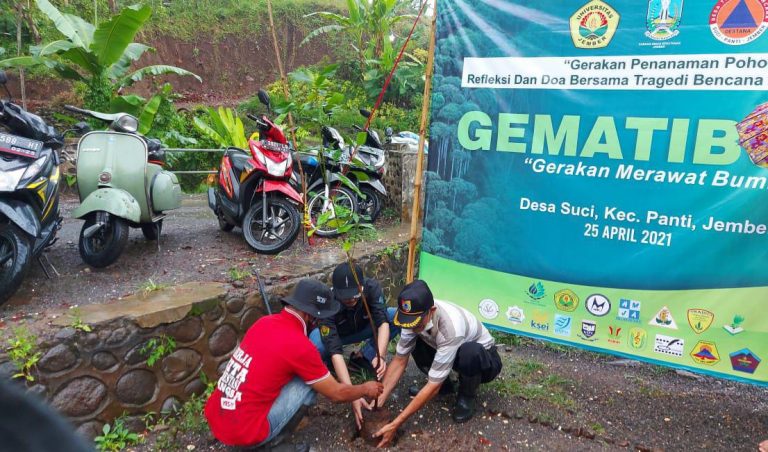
(290, 117)
(374, 331)
(416, 210)
(22, 81)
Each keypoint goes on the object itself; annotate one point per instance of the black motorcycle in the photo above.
(29, 191)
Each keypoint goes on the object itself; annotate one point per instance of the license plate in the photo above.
(12, 144)
(275, 146)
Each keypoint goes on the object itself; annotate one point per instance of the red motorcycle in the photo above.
(253, 189)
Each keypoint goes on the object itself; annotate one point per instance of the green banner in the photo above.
(597, 176)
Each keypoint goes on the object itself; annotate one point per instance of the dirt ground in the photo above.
(556, 399)
(192, 248)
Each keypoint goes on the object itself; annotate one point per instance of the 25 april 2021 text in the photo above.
(613, 223)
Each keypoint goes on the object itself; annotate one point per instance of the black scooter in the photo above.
(29, 191)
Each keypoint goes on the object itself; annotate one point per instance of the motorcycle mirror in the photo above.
(3, 77)
(264, 98)
(82, 128)
(365, 112)
(389, 132)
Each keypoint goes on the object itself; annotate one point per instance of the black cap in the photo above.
(314, 298)
(344, 285)
(413, 303)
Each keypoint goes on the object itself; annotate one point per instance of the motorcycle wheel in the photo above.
(15, 256)
(369, 205)
(282, 228)
(224, 225)
(105, 246)
(152, 231)
(340, 197)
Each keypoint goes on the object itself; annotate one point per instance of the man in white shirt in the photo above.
(441, 337)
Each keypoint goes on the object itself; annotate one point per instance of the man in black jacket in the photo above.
(351, 325)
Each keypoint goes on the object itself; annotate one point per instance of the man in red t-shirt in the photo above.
(275, 372)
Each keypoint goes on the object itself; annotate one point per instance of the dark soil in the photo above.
(192, 248)
(556, 399)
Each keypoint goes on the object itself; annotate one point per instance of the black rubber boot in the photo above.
(448, 387)
(465, 401)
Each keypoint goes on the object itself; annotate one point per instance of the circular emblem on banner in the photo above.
(738, 22)
(488, 309)
(598, 305)
(594, 25)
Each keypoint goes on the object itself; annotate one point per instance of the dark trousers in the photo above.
(472, 360)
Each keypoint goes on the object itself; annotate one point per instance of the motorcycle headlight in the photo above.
(34, 169)
(9, 180)
(277, 169)
(126, 123)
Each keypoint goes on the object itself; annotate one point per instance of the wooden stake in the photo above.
(22, 81)
(416, 211)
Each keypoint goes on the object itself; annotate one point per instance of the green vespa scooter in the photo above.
(121, 185)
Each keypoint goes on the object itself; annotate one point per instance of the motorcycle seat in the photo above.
(155, 151)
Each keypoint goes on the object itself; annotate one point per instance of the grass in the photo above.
(529, 380)
(150, 286)
(238, 274)
(506, 338)
(597, 428)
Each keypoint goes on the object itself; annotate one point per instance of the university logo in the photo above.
(540, 321)
(629, 310)
(536, 291)
(593, 25)
(705, 353)
(667, 345)
(735, 327)
(566, 300)
(515, 315)
(598, 305)
(738, 22)
(614, 334)
(563, 325)
(662, 20)
(588, 330)
(637, 338)
(664, 319)
(700, 320)
(744, 361)
(488, 309)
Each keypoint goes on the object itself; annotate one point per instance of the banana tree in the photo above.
(99, 56)
(369, 24)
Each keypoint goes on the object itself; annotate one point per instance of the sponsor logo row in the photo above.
(732, 22)
(626, 310)
(617, 333)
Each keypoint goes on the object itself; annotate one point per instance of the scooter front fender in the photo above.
(22, 215)
(113, 200)
(282, 187)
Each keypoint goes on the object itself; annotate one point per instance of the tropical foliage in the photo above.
(223, 126)
(99, 56)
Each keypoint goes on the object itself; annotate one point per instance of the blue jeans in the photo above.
(369, 349)
(292, 397)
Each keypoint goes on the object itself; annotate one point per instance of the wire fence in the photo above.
(180, 150)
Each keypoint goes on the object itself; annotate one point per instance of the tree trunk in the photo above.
(24, 12)
(112, 6)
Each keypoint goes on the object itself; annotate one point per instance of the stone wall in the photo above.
(399, 180)
(94, 377)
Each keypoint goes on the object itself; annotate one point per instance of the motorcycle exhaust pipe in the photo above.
(91, 231)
